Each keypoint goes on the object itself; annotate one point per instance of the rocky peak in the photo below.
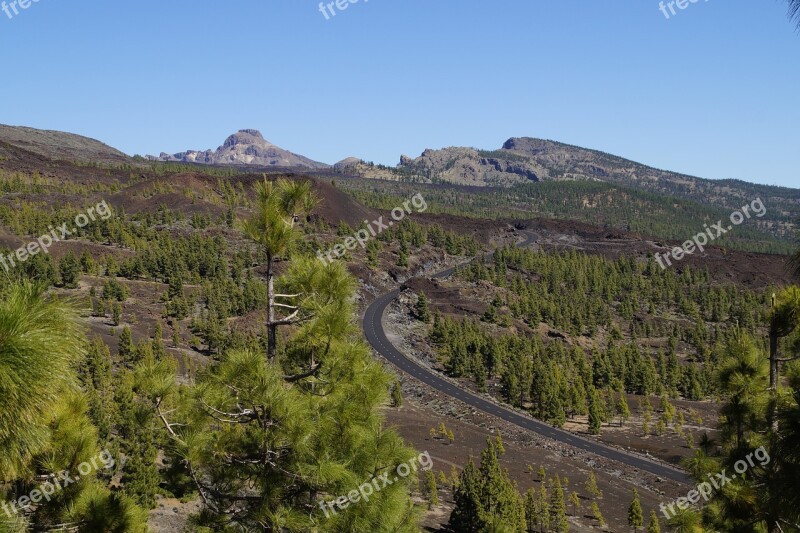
(528, 144)
(348, 163)
(245, 137)
(245, 147)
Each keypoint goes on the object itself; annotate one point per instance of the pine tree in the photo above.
(531, 511)
(127, 351)
(635, 514)
(176, 335)
(502, 504)
(279, 207)
(397, 395)
(623, 410)
(422, 308)
(98, 382)
(543, 506)
(159, 351)
(668, 410)
(137, 429)
(748, 422)
(595, 413)
(467, 513)
(69, 268)
(266, 441)
(686, 521)
(454, 476)
(374, 248)
(653, 527)
(558, 508)
(598, 515)
(116, 313)
(576, 503)
(431, 489)
(44, 421)
(402, 255)
(486, 498)
(591, 486)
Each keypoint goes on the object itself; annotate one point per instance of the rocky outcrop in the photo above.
(245, 147)
(510, 168)
(469, 166)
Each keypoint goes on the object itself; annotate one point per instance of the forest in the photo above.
(287, 406)
(601, 204)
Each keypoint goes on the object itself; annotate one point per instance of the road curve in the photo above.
(376, 336)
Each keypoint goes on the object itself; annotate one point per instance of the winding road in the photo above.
(376, 336)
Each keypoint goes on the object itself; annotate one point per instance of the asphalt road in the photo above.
(376, 336)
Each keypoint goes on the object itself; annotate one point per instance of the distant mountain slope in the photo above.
(522, 164)
(60, 145)
(527, 160)
(245, 147)
(566, 162)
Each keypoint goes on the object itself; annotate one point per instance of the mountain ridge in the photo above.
(61, 145)
(520, 160)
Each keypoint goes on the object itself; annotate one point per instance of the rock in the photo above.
(245, 147)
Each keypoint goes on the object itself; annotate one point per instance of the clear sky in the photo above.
(712, 91)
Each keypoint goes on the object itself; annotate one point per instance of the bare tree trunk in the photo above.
(272, 327)
(773, 360)
(773, 367)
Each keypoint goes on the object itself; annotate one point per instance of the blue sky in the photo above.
(712, 91)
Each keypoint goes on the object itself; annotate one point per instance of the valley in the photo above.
(534, 329)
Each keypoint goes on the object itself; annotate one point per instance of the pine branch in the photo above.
(291, 319)
(243, 417)
(304, 375)
(200, 488)
(167, 424)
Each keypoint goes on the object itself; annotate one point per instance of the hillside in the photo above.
(59, 145)
(170, 275)
(526, 178)
(524, 164)
(527, 160)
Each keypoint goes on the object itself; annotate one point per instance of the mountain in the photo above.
(58, 145)
(470, 166)
(525, 160)
(245, 147)
(519, 162)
